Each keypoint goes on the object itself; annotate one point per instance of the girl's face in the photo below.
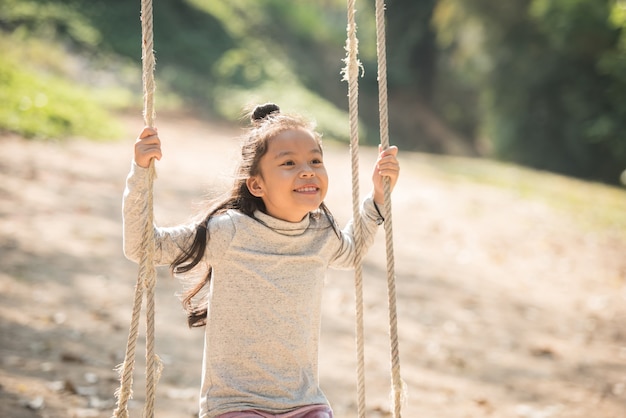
(292, 179)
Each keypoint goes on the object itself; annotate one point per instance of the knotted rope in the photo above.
(396, 380)
(146, 277)
(351, 75)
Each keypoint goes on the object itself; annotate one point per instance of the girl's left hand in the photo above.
(387, 165)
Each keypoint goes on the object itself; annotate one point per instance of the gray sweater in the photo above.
(263, 325)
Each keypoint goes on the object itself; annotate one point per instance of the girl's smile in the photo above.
(292, 179)
(307, 189)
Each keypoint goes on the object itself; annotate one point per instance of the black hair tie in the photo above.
(263, 111)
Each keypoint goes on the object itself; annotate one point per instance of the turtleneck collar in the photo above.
(283, 227)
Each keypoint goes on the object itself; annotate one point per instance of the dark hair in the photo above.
(266, 122)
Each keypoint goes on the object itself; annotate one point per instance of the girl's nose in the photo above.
(307, 172)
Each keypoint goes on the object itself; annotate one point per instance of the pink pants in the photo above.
(311, 411)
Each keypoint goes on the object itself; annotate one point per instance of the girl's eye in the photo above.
(317, 161)
(288, 163)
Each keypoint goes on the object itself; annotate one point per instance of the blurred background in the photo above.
(510, 213)
(541, 83)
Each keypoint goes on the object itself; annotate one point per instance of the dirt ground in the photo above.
(507, 307)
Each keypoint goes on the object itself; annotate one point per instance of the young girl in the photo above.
(261, 255)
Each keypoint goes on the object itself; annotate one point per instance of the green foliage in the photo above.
(286, 52)
(42, 103)
(538, 82)
(550, 74)
(431, 105)
(49, 19)
(209, 54)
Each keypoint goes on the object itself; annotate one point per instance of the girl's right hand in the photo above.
(147, 147)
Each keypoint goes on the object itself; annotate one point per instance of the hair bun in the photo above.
(262, 111)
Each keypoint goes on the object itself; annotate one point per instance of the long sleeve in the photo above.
(169, 241)
(264, 299)
(370, 220)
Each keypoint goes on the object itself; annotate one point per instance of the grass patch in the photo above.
(593, 205)
(46, 94)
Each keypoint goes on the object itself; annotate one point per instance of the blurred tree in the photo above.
(419, 114)
(551, 79)
(538, 82)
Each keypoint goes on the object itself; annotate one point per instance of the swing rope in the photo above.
(396, 380)
(146, 277)
(351, 75)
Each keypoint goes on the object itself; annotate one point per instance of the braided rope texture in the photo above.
(396, 380)
(351, 75)
(146, 278)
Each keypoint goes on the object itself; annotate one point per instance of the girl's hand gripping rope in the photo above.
(147, 147)
(387, 165)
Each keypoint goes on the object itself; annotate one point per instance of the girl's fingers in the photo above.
(150, 139)
(392, 150)
(388, 166)
(147, 132)
(147, 146)
(389, 172)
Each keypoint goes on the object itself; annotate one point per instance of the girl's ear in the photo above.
(254, 186)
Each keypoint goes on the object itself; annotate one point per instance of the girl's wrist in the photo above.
(378, 198)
